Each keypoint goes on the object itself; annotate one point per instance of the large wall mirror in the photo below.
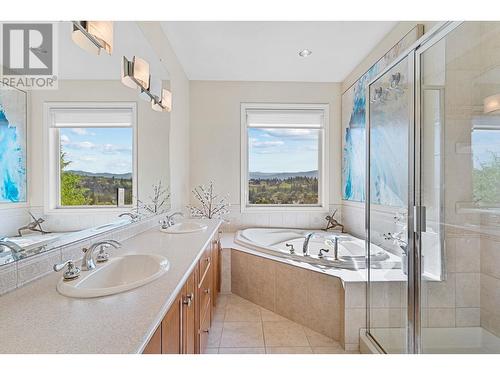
(88, 156)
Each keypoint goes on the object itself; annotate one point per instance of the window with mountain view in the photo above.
(96, 157)
(284, 162)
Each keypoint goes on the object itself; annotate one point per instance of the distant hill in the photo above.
(282, 175)
(122, 176)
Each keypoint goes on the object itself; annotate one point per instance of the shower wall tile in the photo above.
(467, 254)
(441, 317)
(467, 290)
(468, 317)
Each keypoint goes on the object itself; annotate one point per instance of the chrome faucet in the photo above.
(133, 216)
(335, 244)
(14, 248)
(169, 220)
(305, 247)
(88, 262)
(34, 226)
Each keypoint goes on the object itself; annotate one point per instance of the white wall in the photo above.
(179, 117)
(215, 140)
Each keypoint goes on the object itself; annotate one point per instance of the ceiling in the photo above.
(268, 51)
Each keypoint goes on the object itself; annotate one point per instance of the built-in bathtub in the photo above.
(289, 243)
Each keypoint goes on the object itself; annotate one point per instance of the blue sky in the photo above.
(282, 150)
(484, 143)
(98, 150)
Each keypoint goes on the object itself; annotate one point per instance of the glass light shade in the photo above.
(491, 103)
(99, 35)
(141, 72)
(127, 73)
(165, 104)
(103, 32)
(155, 86)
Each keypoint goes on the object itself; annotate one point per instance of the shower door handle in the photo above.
(420, 218)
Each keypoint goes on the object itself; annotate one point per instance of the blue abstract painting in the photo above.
(354, 124)
(12, 145)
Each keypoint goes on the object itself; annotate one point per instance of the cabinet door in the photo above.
(154, 344)
(171, 329)
(189, 299)
(216, 269)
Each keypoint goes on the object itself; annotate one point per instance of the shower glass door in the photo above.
(389, 142)
(458, 181)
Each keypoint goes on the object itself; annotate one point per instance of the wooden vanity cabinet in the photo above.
(154, 344)
(186, 325)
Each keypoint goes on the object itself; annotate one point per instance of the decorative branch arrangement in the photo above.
(158, 199)
(212, 205)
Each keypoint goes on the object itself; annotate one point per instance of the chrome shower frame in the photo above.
(416, 224)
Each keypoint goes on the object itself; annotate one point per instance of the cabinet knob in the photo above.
(188, 300)
(207, 291)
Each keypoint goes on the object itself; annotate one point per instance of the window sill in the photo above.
(269, 209)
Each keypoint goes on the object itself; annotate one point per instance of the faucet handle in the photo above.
(72, 272)
(321, 255)
(290, 247)
(102, 256)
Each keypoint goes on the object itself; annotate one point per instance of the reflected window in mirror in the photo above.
(485, 144)
(92, 155)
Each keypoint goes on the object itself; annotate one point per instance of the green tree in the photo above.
(72, 193)
(487, 182)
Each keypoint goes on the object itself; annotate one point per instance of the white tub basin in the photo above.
(115, 276)
(185, 227)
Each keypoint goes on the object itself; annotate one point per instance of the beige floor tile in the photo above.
(317, 339)
(223, 299)
(242, 351)
(242, 312)
(215, 335)
(219, 313)
(269, 316)
(211, 351)
(328, 350)
(284, 334)
(242, 335)
(288, 350)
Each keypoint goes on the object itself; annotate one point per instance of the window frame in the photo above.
(323, 158)
(52, 178)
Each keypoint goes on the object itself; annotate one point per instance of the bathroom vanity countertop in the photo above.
(346, 275)
(37, 319)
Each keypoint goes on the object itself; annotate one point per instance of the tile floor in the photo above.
(242, 327)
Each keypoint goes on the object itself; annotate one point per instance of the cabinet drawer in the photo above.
(205, 261)
(204, 330)
(205, 293)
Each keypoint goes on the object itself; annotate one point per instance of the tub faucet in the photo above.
(305, 247)
(13, 247)
(88, 262)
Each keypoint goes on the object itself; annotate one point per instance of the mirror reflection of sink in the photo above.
(185, 227)
(117, 275)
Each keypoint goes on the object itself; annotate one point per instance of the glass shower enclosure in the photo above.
(433, 163)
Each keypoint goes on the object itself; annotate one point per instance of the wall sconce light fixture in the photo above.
(165, 103)
(491, 103)
(93, 36)
(135, 73)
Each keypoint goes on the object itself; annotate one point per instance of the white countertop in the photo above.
(37, 319)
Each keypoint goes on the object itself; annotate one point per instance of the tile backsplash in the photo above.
(15, 275)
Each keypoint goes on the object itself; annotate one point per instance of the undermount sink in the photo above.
(185, 227)
(115, 276)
